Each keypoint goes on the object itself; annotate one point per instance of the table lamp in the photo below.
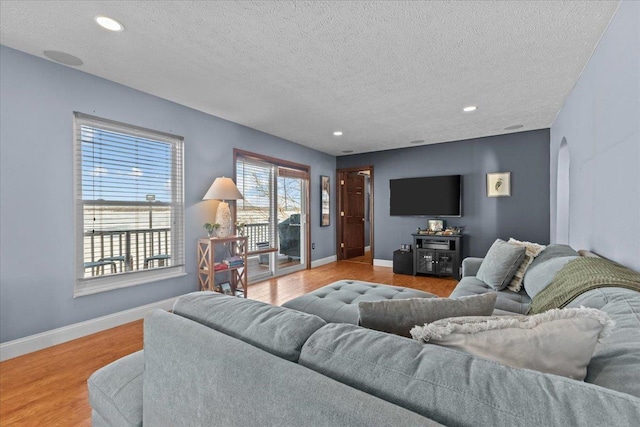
(223, 189)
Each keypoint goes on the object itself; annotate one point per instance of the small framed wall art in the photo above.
(499, 184)
(325, 201)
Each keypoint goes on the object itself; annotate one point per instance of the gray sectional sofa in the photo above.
(219, 360)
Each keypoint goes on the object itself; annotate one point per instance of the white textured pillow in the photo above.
(532, 250)
(559, 341)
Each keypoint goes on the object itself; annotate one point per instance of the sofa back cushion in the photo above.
(456, 388)
(278, 330)
(555, 250)
(539, 277)
(197, 376)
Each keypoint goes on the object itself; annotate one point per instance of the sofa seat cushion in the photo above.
(616, 360)
(338, 301)
(115, 392)
(457, 388)
(507, 301)
(274, 329)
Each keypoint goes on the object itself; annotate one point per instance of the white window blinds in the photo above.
(130, 204)
(255, 179)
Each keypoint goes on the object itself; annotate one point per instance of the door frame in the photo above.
(340, 174)
(286, 163)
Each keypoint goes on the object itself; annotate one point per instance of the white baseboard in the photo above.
(382, 263)
(21, 346)
(367, 248)
(323, 261)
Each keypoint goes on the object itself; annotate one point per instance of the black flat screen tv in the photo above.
(426, 196)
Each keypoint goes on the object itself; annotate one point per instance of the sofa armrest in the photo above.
(470, 266)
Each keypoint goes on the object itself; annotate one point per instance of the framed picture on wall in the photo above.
(435, 225)
(499, 184)
(325, 201)
(226, 288)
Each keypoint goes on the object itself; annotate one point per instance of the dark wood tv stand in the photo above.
(437, 254)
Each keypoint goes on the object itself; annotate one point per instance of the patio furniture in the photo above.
(120, 258)
(97, 267)
(289, 236)
(161, 258)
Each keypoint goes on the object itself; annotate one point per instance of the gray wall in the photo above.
(524, 215)
(600, 121)
(37, 250)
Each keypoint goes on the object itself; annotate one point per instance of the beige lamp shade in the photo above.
(223, 189)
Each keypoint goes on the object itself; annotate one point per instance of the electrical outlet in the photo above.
(313, 246)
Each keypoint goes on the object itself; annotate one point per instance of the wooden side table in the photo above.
(234, 260)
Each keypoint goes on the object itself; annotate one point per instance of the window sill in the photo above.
(103, 284)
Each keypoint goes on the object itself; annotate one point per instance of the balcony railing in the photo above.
(126, 250)
(118, 251)
(257, 233)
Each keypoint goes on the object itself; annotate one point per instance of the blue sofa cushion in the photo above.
(456, 388)
(542, 274)
(555, 250)
(274, 329)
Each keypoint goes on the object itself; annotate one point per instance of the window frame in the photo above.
(91, 285)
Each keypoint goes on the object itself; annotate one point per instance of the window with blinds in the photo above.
(129, 205)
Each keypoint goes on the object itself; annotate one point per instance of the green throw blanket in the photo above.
(582, 275)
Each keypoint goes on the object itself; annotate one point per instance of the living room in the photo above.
(594, 113)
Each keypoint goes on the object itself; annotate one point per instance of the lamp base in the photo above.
(223, 217)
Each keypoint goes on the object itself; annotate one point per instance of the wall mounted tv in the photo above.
(426, 196)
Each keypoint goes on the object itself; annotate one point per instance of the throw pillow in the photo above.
(558, 341)
(532, 250)
(400, 315)
(538, 278)
(500, 264)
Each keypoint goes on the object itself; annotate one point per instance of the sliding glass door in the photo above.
(274, 213)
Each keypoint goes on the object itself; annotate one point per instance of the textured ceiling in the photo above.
(385, 73)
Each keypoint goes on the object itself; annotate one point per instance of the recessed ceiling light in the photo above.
(337, 133)
(469, 108)
(347, 151)
(109, 23)
(513, 127)
(417, 141)
(63, 58)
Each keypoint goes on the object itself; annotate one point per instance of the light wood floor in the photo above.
(366, 258)
(48, 387)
